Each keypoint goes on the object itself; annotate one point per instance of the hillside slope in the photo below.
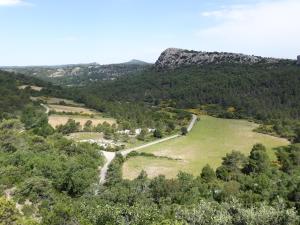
(80, 74)
(253, 90)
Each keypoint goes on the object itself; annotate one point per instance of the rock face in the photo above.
(298, 60)
(173, 58)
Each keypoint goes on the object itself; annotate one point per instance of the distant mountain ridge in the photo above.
(137, 62)
(174, 58)
(80, 74)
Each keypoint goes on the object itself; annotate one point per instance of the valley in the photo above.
(218, 134)
(131, 112)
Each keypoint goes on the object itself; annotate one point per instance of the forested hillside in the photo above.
(253, 90)
(12, 98)
(268, 93)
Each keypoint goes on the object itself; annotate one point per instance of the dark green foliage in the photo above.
(142, 135)
(297, 135)
(36, 120)
(70, 127)
(157, 134)
(58, 175)
(259, 161)
(208, 174)
(11, 98)
(184, 131)
(41, 167)
(289, 157)
(114, 173)
(254, 90)
(231, 166)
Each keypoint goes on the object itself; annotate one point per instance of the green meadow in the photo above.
(210, 140)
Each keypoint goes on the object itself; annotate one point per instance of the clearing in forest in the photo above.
(55, 120)
(209, 141)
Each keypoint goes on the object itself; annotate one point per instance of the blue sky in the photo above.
(40, 32)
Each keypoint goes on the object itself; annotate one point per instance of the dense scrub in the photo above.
(45, 170)
(244, 190)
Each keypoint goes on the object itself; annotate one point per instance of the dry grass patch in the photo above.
(56, 101)
(35, 88)
(152, 166)
(55, 120)
(71, 109)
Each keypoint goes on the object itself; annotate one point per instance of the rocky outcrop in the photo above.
(298, 60)
(173, 58)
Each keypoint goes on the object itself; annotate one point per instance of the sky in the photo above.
(52, 32)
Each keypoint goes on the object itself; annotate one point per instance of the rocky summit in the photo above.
(173, 58)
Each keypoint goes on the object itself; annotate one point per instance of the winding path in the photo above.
(46, 107)
(109, 156)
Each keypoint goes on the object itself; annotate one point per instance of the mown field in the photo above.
(209, 141)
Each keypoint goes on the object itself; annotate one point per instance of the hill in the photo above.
(174, 58)
(13, 94)
(80, 74)
(253, 90)
(136, 62)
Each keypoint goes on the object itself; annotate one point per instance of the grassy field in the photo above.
(85, 136)
(55, 120)
(209, 141)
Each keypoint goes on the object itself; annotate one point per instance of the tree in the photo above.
(297, 138)
(170, 126)
(32, 118)
(142, 135)
(70, 127)
(36, 121)
(157, 134)
(88, 126)
(234, 160)
(232, 165)
(184, 131)
(208, 174)
(259, 161)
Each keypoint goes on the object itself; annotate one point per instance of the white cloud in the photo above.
(13, 3)
(269, 28)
